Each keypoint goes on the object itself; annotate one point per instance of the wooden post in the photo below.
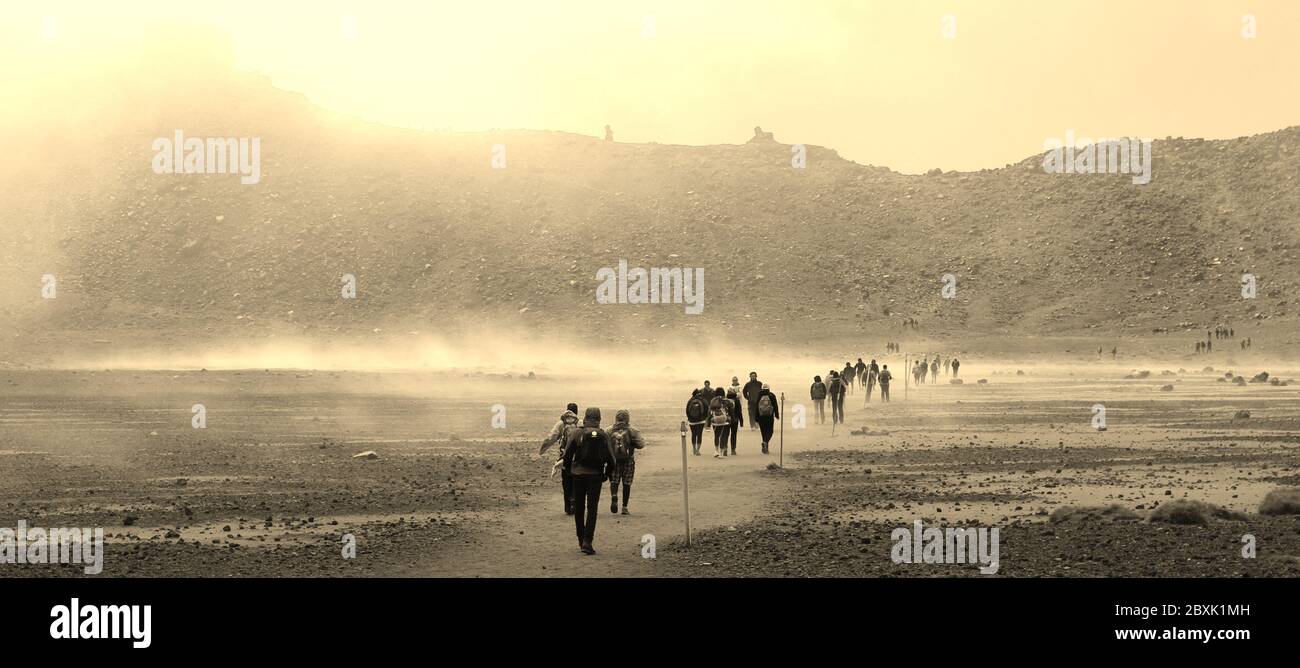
(781, 445)
(686, 487)
(907, 369)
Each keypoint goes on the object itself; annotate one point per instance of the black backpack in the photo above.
(696, 409)
(592, 452)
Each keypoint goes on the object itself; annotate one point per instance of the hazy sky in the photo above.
(875, 79)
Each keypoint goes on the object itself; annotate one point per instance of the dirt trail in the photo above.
(538, 540)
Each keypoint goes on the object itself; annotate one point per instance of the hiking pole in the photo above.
(780, 448)
(686, 488)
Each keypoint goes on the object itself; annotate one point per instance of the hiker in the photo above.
(609, 134)
(873, 371)
(750, 394)
(884, 379)
(955, 366)
(697, 413)
(766, 412)
(837, 391)
(934, 370)
(737, 419)
(706, 391)
(560, 434)
(947, 364)
(847, 376)
(860, 370)
(735, 387)
(1114, 351)
(720, 420)
(626, 442)
(818, 395)
(589, 456)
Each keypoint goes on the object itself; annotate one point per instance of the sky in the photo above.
(907, 84)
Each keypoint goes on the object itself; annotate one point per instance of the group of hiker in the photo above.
(588, 456)
(720, 410)
(839, 384)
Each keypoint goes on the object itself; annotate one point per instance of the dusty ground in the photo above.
(269, 487)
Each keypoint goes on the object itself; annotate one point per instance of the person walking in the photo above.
(846, 376)
(818, 395)
(626, 441)
(934, 370)
(766, 412)
(859, 372)
(560, 436)
(735, 386)
(955, 366)
(873, 372)
(884, 379)
(697, 415)
(837, 391)
(737, 418)
(750, 395)
(588, 455)
(720, 420)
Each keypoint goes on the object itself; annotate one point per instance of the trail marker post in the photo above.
(780, 448)
(686, 487)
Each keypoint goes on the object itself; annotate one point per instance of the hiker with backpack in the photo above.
(626, 441)
(884, 379)
(750, 395)
(589, 456)
(860, 372)
(818, 395)
(697, 415)
(873, 371)
(720, 410)
(955, 366)
(766, 413)
(837, 391)
(735, 387)
(560, 435)
(737, 418)
(934, 370)
(846, 376)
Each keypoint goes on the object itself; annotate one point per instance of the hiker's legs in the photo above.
(732, 432)
(566, 483)
(697, 437)
(753, 414)
(765, 430)
(821, 411)
(720, 437)
(586, 501)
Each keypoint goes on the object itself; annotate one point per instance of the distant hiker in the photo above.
(609, 134)
(626, 442)
(735, 387)
(934, 370)
(737, 418)
(766, 413)
(873, 372)
(846, 375)
(567, 423)
(697, 414)
(861, 369)
(955, 366)
(835, 388)
(924, 369)
(706, 391)
(750, 394)
(1114, 352)
(720, 419)
(947, 364)
(589, 456)
(885, 377)
(818, 395)
(1209, 346)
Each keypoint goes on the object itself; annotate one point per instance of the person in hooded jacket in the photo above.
(626, 442)
(697, 415)
(737, 418)
(560, 435)
(767, 410)
(589, 456)
(818, 395)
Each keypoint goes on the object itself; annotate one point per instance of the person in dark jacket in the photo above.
(559, 435)
(955, 365)
(837, 391)
(884, 379)
(626, 442)
(588, 455)
(750, 394)
(767, 410)
(846, 376)
(859, 371)
(818, 395)
(697, 415)
(737, 418)
(873, 372)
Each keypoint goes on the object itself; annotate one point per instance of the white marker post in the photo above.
(781, 446)
(686, 487)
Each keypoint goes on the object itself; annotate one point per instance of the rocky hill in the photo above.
(439, 240)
